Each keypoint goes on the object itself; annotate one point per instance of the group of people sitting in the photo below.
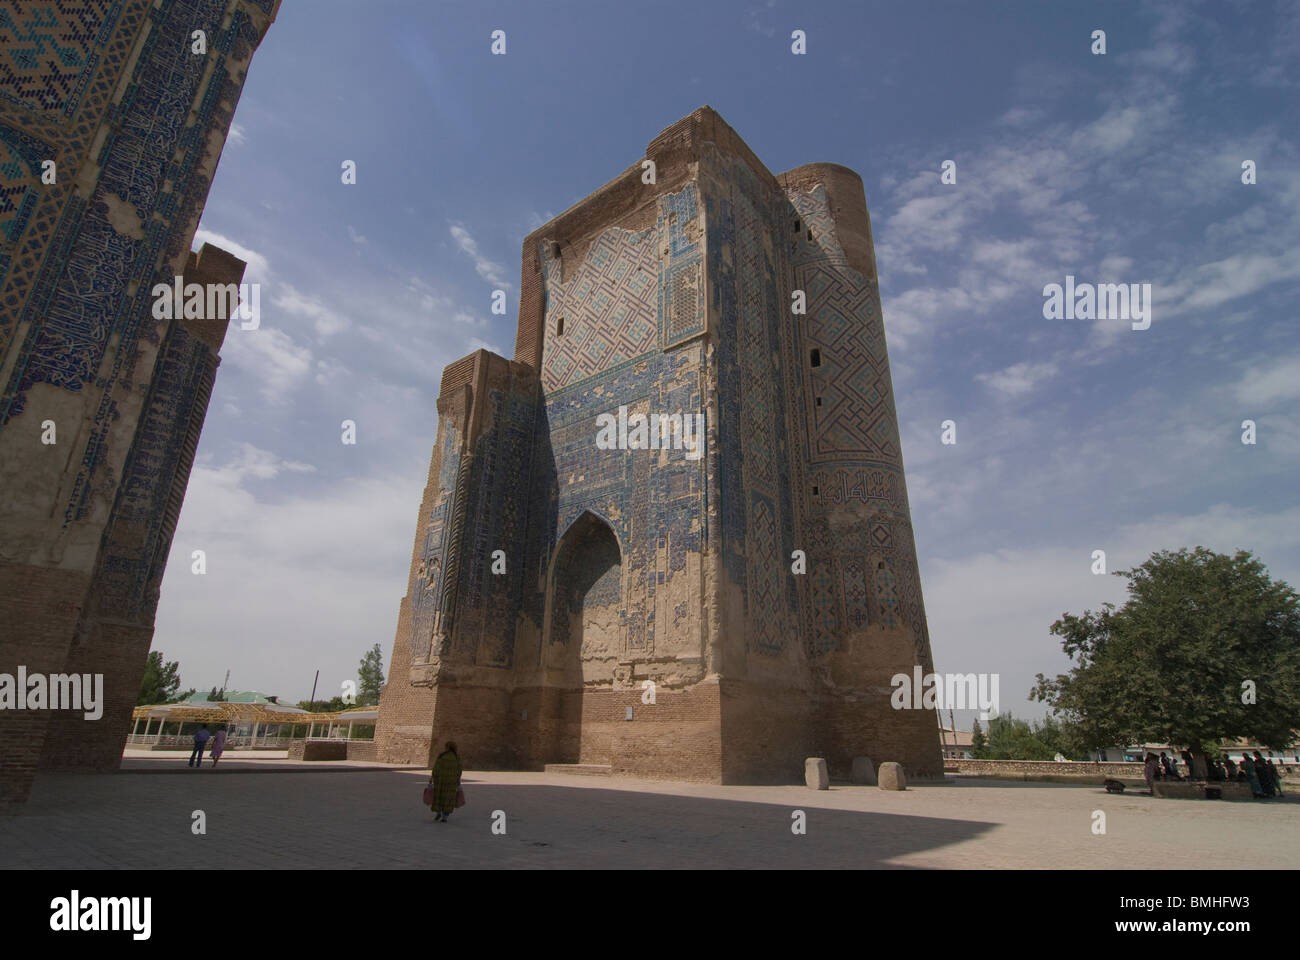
(1264, 777)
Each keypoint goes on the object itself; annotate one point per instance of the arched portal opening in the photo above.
(584, 639)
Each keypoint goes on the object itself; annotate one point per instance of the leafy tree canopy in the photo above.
(1206, 647)
(371, 677)
(160, 682)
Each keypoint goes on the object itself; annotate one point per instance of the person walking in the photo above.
(218, 745)
(445, 778)
(1265, 775)
(1150, 770)
(1247, 767)
(200, 741)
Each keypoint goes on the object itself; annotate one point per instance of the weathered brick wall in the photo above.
(677, 737)
(136, 128)
(37, 622)
(768, 731)
(116, 629)
(673, 297)
(402, 732)
(476, 717)
(318, 750)
(362, 750)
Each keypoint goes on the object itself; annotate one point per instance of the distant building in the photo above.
(956, 744)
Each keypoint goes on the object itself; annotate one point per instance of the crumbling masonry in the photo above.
(618, 567)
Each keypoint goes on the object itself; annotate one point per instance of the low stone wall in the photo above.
(1046, 770)
(362, 750)
(1049, 771)
(1196, 790)
(318, 750)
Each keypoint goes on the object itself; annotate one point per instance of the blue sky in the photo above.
(1072, 436)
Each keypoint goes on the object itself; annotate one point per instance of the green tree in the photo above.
(324, 706)
(1061, 737)
(371, 677)
(160, 682)
(979, 744)
(1206, 647)
(1011, 738)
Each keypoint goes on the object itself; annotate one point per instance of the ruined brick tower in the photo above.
(618, 566)
(101, 404)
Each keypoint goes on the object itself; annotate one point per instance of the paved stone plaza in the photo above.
(275, 814)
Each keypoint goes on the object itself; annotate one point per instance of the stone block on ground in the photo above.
(891, 776)
(815, 774)
(1178, 789)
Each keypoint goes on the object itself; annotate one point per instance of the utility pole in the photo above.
(313, 691)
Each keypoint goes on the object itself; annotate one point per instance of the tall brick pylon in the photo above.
(715, 610)
(101, 404)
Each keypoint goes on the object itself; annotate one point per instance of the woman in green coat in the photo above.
(446, 781)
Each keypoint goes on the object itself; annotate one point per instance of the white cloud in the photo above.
(989, 612)
(356, 238)
(294, 582)
(1237, 276)
(1018, 378)
(259, 269)
(236, 135)
(271, 358)
(326, 321)
(489, 270)
(1272, 382)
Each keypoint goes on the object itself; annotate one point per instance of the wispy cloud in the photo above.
(1018, 378)
(258, 269)
(489, 270)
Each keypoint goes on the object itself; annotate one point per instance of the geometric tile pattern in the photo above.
(757, 510)
(51, 49)
(535, 478)
(20, 169)
(67, 271)
(853, 574)
(609, 310)
(887, 596)
(856, 417)
(825, 606)
(75, 280)
(65, 138)
(624, 301)
(427, 589)
(847, 428)
(91, 302)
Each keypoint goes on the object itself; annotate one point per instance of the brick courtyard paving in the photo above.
(277, 813)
